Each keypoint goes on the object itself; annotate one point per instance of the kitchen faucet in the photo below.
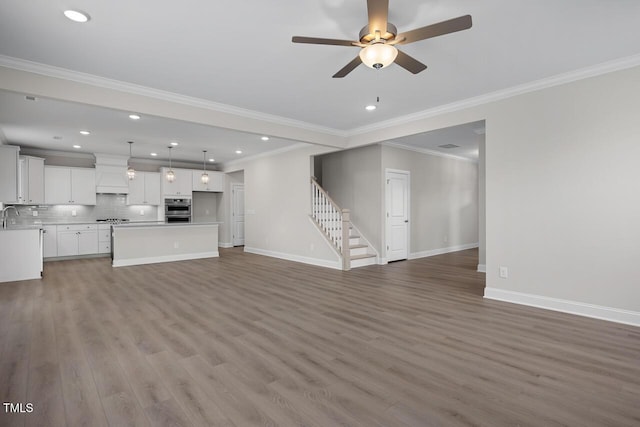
(5, 214)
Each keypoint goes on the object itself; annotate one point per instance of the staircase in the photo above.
(335, 224)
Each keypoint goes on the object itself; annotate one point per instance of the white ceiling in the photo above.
(240, 54)
(466, 137)
(55, 125)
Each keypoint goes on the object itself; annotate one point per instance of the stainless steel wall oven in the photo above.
(177, 210)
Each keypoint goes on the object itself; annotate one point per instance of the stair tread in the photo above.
(358, 246)
(362, 256)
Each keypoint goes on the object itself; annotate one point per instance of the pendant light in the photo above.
(131, 173)
(170, 175)
(205, 177)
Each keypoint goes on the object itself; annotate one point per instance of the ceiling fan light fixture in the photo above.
(77, 16)
(378, 55)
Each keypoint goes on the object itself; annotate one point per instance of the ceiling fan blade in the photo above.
(348, 68)
(435, 30)
(378, 11)
(409, 63)
(316, 40)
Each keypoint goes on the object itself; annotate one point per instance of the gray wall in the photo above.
(443, 198)
(563, 191)
(482, 206)
(352, 178)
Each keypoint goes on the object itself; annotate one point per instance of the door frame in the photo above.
(386, 209)
(234, 187)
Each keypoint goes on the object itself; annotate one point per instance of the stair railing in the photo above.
(332, 220)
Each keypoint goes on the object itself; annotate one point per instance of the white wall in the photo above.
(353, 178)
(562, 192)
(204, 206)
(277, 208)
(443, 199)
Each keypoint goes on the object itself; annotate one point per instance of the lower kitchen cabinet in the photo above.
(81, 239)
(104, 239)
(49, 241)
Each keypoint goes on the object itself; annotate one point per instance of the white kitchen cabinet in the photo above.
(50, 241)
(77, 239)
(215, 184)
(31, 180)
(104, 238)
(144, 189)
(182, 186)
(64, 186)
(9, 173)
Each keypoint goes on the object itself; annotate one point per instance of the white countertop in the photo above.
(163, 224)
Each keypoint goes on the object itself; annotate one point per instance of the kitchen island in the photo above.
(149, 243)
(20, 254)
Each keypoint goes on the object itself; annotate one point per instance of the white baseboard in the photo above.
(440, 251)
(297, 258)
(164, 258)
(573, 307)
(482, 268)
(225, 245)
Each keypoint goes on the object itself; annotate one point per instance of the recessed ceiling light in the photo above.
(212, 160)
(76, 15)
(238, 151)
(370, 107)
(174, 143)
(265, 138)
(154, 154)
(77, 146)
(85, 132)
(134, 117)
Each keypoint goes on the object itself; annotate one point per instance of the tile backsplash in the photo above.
(107, 206)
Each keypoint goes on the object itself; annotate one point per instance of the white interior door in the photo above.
(397, 214)
(237, 214)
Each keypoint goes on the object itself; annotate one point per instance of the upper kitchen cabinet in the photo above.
(144, 189)
(9, 173)
(182, 185)
(31, 180)
(215, 184)
(69, 186)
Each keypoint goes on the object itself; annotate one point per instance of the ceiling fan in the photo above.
(378, 39)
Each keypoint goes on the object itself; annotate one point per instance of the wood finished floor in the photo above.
(247, 340)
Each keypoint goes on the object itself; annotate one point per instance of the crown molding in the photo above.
(558, 79)
(427, 151)
(106, 83)
(225, 166)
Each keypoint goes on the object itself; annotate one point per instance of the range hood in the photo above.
(111, 174)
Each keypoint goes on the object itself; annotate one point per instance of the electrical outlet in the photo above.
(74, 212)
(504, 272)
(141, 212)
(206, 211)
(176, 245)
(34, 213)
